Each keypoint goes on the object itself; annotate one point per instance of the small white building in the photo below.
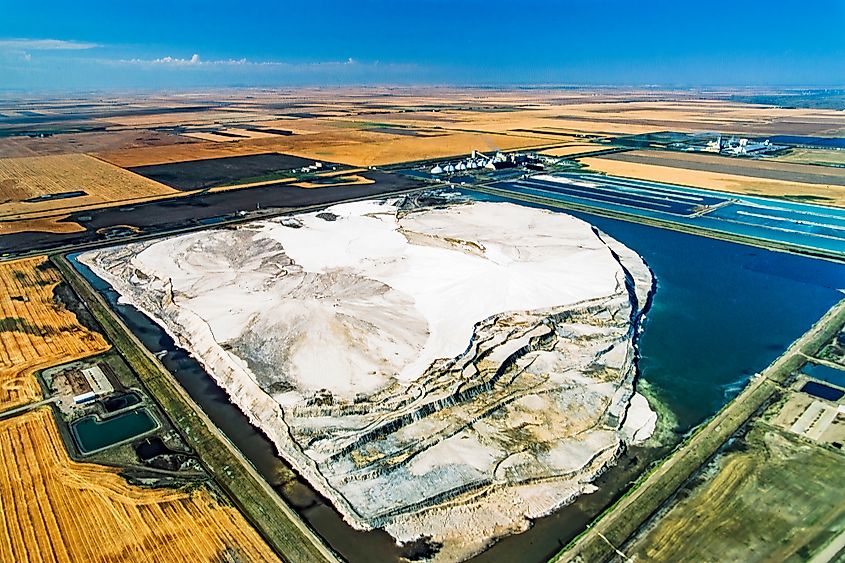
(97, 380)
(84, 397)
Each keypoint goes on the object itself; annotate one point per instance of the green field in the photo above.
(770, 497)
(823, 157)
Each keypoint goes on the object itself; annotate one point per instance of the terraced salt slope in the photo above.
(444, 371)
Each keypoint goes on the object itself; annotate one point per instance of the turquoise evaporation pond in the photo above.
(826, 373)
(722, 311)
(92, 434)
(810, 226)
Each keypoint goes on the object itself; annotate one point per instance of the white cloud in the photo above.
(44, 45)
(194, 60)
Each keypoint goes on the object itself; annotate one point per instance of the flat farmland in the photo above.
(699, 115)
(637, 115)
(736, 511)
(351, 146)
(36, 330)
(754, 168)
(58, 510)
(569, 150)
(26, 178)
(54, 224)
(212, 172)
(199, 150)
(825, 194)
(195, 209)
(92, 141)
(391, 149)
(823, 157)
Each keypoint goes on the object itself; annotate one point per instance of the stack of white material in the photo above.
(478, 354)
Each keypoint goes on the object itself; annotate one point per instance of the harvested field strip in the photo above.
(823, 157)
(36, 330)
(29, 177)
(55, 509)
(214, 137)
(42, 224)
(352, 180)
(251, 185)
(818, 193)
(765, 169)
(569, 150)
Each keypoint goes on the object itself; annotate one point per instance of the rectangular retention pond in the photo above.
(93, 434)
(822, 391)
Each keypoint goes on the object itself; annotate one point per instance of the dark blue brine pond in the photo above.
(817, 142)
(825, 373)
(822, 391)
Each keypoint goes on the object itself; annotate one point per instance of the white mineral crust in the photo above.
(445, 372)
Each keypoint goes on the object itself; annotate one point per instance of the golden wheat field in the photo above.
(57, 224)
(103, 184)
(58, 510)
(36, 331)
(356, 147)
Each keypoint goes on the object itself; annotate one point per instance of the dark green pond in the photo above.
(92, 434)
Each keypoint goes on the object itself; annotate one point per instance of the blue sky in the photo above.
(183, 44)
